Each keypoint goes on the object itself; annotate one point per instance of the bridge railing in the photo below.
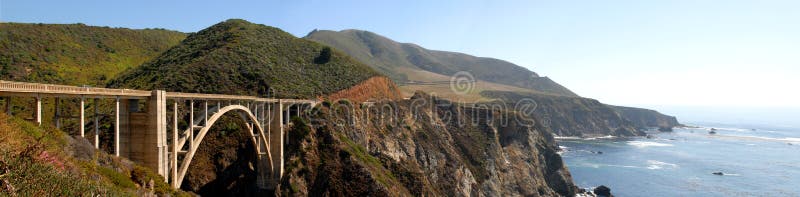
(39, 88)
(24, 87)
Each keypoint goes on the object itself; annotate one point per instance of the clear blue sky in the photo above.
(639, 53)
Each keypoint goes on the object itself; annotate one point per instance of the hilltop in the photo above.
(406, 62)
(569, 114)
(242, 58)
(76, 54)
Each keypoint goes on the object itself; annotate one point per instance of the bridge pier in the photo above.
(154, 138)
(276, 134)
(38, 110)
(116, 126)
(82, 121)
(8, 105)
(96, 125)
(57, 112)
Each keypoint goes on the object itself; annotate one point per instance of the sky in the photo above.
(666, 55)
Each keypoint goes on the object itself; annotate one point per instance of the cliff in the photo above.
(421, 147)
(646, 118)
(371, 89)
(572, 116)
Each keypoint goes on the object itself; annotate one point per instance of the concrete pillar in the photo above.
(38, 110)
(57, 112)
(116, 127)
(288, 115)
(8, 106)
(276, 140)
(149, 135)
(126, 123)
(175, 148)
(268, 121)
(288, 121)
(205, 116)
(191, 125)
(157, 134)
(255, 112)
(96, 125)
(82, 121)
(297, 107)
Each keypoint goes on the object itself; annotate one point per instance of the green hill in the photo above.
(402, 60)
(76, 54)
(239, 57)
(44, 161)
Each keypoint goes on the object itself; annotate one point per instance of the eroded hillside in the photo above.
(422, 147)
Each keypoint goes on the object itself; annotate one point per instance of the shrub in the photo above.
(324, 56)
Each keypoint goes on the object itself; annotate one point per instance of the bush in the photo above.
(324, 56)
(300, 130)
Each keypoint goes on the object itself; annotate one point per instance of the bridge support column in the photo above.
(155, 137)
(146, 137)
(276, 142)
(116, 126)
(57, 116)
(38, 110)
(174, 159)
(96, 125)
(8, 106)
(82, 121)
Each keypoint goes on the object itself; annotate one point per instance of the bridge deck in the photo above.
(11, 88)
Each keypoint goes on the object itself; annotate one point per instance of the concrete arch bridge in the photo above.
(146, 123)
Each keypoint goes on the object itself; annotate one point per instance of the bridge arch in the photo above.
(253, 125)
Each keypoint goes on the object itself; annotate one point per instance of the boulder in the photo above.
(602, 191)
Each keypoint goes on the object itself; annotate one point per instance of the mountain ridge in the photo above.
(76, 54)
(386, 55)
(248, 59)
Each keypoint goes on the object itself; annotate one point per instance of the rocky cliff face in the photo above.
(646, 118)
(375, 88)
(422, 146)
(572, 116)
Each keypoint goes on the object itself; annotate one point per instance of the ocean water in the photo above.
(760, 162)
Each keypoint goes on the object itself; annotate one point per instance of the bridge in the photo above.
(166, 132)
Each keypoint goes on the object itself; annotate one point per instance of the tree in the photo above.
(324, 56)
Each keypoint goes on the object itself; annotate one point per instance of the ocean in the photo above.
(753, 161)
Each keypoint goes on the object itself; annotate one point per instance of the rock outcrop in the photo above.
(572, 116)
(602, 191)
(422, 147)
(646, 118)
(375, 88)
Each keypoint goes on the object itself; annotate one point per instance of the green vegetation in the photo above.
(403, 61)
(242, 58)
(43, 161)
(76, 54)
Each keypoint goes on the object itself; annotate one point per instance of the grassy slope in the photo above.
(76, 54)
(38, 161)
(397, 59)
(444, 90)
(239, 57)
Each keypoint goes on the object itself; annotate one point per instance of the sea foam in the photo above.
(643, 144)
(655, 165)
